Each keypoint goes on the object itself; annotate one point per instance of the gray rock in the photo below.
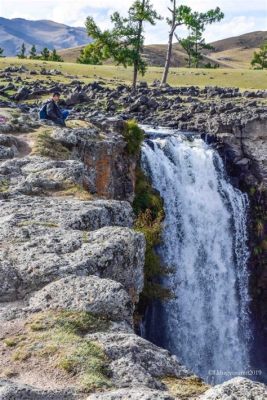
(92, 294)
(77, 98)
(140, 393)
(22, 94)
(65, 213)
(237, 388)
(34, 175)
(35, 254)
(135, 361)
(13, 391)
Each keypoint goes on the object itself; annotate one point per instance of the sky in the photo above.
(241, 16)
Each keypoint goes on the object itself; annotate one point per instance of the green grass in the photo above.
(242, 78)
(46, 146)
(59, 338)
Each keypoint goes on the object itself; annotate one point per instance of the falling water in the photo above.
(204, 242)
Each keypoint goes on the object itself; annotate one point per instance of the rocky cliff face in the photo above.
(244, 151)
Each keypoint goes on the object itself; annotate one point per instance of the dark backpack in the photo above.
(42, 111)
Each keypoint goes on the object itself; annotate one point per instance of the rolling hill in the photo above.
(43, 33)
(233, 52)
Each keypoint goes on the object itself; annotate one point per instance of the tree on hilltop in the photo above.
(33, 53)
(22, 53)
(196, 23)
(259, 60)
(124, 42)
(45, 54)
(55, 57)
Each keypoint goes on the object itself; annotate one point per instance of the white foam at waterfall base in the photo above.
(205, 243)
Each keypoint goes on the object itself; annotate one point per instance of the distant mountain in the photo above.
(233, 52)
(43, 33)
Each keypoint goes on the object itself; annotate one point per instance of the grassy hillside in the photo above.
(233, 52)
(112, 75)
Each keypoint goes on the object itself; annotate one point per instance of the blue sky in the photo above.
(241, 16)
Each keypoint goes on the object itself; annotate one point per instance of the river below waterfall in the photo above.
(204, 243)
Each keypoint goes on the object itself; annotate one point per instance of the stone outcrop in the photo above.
(12, 391)
(237, 388)
(109, 169)
(141, 393)
(91, 294)
(135, 361)
(245, 149)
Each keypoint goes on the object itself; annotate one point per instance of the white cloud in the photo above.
(240, 16)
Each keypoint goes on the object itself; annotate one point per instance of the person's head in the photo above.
(56, 96)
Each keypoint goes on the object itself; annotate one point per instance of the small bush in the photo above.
(149, 211)
(134, 137)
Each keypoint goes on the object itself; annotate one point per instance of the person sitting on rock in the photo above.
(52, 111)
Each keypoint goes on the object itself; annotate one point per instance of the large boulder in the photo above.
(236, 388)
(136, 362)
(35, 253)
(65, 213)
(140, 393)
(14, 391)
(91, 294)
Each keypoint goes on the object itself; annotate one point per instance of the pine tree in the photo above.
(1, 53)
(55, 57)
(124, 41)
(45, 54)
(33, 53)
(22, 53)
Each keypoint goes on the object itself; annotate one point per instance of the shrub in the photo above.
(148, 208)
(134, 137)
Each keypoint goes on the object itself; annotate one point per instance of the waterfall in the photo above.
(204, 242)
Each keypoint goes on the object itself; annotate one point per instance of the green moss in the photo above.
(48, 224)
(258, 228)
(4, 186)
(134, 137)
(184, 388)
(148, 208)
(46, 146)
